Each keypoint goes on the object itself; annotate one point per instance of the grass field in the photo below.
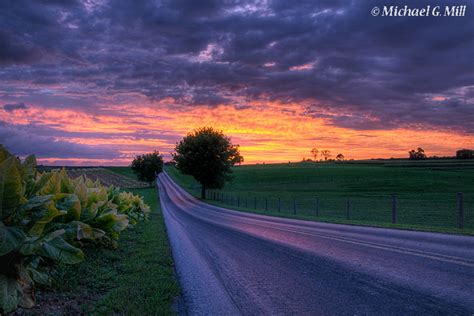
(426, 192)
(135, 279)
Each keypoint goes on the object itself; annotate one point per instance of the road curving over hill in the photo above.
(231, 262)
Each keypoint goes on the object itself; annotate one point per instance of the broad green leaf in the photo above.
(79, 230)
(81, 192)
(39, 277)
(71, 205)
(52, 186)
(11, 190)
(30, 165)
(37, 201)
(31, 246)
(61, 251)
(111, 221)
(83, 231)
(11, 238)
(65, 183)
(97, 233)
(51, 212)
(41, 182)
(8, 294)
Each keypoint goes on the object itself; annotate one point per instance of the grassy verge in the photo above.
(426, 201)
(135, 279)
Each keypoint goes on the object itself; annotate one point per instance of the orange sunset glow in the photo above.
(266, 133)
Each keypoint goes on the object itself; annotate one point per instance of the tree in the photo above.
(207, 155)
(418, 154)
(314, 153)
(465, 154)
(326, 154)
(148, 166)
(340, 157)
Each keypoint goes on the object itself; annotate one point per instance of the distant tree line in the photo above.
(465, 154)
(324, 155)
(419, 154)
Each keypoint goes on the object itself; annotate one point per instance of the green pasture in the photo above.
(363, 192)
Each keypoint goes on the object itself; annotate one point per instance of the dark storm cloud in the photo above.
(21, 141)
(14, 106)
(367, 72)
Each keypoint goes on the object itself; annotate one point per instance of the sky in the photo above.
(97, 82)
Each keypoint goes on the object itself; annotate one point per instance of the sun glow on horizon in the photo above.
(266, 132)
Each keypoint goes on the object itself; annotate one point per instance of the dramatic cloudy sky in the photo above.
(97, 81)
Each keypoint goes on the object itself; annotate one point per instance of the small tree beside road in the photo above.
(148, 166)
(207, 155)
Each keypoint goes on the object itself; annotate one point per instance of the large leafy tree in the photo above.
(148, 166)
(207, 155)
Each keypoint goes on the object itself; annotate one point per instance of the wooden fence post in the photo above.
(460, 210)
(317, 206)
(394, 209)
(348, 209)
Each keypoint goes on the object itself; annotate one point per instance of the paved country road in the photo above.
(232, 262)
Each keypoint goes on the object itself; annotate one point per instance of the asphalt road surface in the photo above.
(231, 263)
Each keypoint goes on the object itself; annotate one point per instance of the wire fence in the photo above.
(443, 210)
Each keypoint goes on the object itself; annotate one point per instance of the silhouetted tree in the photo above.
(465, 154)
(418, 154)
(148, 166)
(340, 157)
(314, 153)
(326, 154)
(207, 155)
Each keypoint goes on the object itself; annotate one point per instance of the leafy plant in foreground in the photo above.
(46, 218)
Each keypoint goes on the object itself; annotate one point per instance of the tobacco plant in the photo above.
(46, 218)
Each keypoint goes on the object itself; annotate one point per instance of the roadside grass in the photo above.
(426, 197)
(135, 279)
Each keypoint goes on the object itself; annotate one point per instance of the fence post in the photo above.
(460, 210)
(294, 205)
(246, 202)
(279, 205)
(348, 209)
(255, 202)
(394, 209)
(266, 204)
(317, 206)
